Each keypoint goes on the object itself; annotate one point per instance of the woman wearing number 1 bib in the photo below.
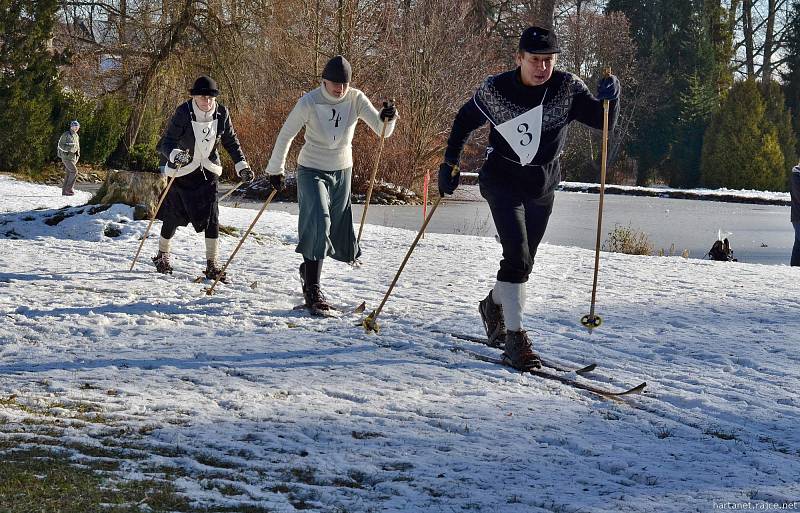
(530, 109)
(329, 115)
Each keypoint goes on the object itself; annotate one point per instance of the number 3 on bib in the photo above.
(523, 133)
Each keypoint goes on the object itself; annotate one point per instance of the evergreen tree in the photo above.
(741, 147)
(685, 43)
(791, 78)
(780, 118)
(696, 106)
(27, 83)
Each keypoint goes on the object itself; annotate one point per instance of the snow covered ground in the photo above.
(249, 402)
(722, 194)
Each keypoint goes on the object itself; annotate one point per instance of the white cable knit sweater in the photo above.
(330, 124)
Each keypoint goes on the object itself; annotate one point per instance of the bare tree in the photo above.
(438, 67)
(141, 40)
(761, 47)
(592, 41)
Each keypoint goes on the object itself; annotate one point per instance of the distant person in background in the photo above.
(190, 145)
(796, 215)
(69, 151)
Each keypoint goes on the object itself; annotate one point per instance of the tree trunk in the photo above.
(545, 13)
(747, 30)
(176, 34)
(317, 37)
(340, 25)
(769, 47)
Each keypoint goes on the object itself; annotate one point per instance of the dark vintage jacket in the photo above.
(179, 135)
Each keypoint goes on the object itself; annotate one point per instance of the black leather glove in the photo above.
(246, 175)
(608, 88)
(449, 178)
(182, 158)
(388, 112)
(278, 182)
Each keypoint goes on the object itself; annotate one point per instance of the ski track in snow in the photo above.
(255, 403)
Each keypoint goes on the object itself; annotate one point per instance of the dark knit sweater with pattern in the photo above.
(565, 98)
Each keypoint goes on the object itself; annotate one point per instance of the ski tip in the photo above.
(637, 389)
(586, 370)
(631, 391)
(360, 308)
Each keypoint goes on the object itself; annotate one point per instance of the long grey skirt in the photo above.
(325, 225)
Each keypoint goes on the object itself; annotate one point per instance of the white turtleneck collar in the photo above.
(329, 97)
(201, 115)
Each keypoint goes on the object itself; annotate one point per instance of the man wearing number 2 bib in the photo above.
(530, 109)
(329, 114)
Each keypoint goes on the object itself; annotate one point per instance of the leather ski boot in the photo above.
(493, 321)
(162, 263)
(519, 353)
(213, 271)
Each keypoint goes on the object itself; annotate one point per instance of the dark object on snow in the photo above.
(721, 251)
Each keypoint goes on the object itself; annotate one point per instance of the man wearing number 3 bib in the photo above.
(529, 109)
(324, 166)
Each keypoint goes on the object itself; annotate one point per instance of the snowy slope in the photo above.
(258, 404)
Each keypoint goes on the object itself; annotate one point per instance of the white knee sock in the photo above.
(511, 296)
(164, 245)
(212, 248)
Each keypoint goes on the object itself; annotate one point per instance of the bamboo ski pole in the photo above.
(153, 218)
(230, 192)
(210, 290)
(592, 320)
(372, 182)
(369, 322)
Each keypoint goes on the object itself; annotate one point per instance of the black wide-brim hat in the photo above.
(204, 86)
(539, 40)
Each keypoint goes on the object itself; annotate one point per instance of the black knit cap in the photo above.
(539, 40)
(204, 86)
(338, 70)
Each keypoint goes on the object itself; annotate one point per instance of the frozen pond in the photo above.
(758, 233)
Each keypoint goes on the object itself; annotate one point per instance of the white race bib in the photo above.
(205, 136)
(523, 134)
(334, 119)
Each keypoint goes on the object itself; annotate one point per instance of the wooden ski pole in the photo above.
(210, 290)
(369, 322)
(372, 182)
(153, 218)
(592, 320)
(425, 184)
(230, 192)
